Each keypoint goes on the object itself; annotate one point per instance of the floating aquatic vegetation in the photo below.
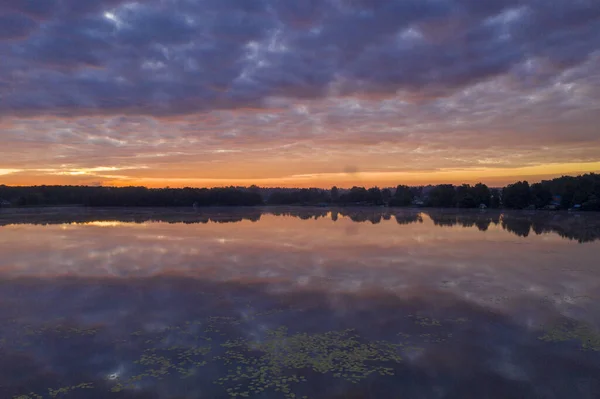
(574, 331)
(159, 361)
(55, 393)
(278, 363)
(425, 321)
(30, 395)
(427, 338)
(62, 331)
(275, 363)
(459, 320)
(435, 338)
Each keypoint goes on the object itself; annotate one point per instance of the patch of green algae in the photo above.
(62, 331)
(425, 321)
(160, 361)
(275, 363)
(54, 393)
(588, 338)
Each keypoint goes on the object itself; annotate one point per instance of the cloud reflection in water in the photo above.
(472, 308)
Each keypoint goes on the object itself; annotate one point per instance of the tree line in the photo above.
(128, 196)
(580, 192)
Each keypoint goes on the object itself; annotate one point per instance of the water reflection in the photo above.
(574, 226)
(293, 303)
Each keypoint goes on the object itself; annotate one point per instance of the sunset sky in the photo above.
(297, 92)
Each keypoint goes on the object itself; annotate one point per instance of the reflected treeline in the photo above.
(84, 215)
(469, 219)
(582, 228)
(359, 215)
(579, 227)
(409, 218)
(203, 216)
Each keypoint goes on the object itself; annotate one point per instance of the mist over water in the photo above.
(298, 302)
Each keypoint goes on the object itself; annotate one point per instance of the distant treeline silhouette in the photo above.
(581, 192)
(523, 224)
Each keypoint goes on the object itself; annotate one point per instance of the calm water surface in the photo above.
(298, 303)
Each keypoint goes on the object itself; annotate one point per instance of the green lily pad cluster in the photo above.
(435, 338)
(459, 320)
(425, 321)
(160, 361)
(279, 362)
(588, 338)
(274, 363)
(55, 393)
(62, 331)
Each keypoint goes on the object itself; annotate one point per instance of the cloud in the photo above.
(181, 57)
(15, 26)
(34, 8)
(260, 89)
(8, 171)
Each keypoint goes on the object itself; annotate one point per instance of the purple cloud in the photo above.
(103, 57)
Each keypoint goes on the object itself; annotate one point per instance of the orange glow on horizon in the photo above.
(490, 176)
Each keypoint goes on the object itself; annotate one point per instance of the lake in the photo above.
(298, 303)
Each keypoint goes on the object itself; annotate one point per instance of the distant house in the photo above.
(4, 203)
(418, 201)
(556, 200)
(482, 206)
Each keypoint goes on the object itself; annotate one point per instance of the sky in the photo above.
(298, 93)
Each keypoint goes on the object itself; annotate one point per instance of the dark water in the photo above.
(299, 303)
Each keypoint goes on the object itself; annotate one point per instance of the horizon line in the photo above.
(343, 187)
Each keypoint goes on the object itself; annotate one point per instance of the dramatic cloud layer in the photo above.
(297, 92)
